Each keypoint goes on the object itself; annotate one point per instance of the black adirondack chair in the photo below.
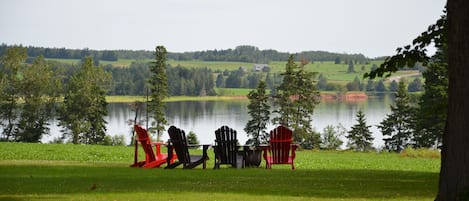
(226, 148)
(178, 143)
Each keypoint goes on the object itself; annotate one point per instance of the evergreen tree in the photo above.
(159, 91)
(370, 86)
(84, 106)
(351, 68)
(10, 90)
(399, 124)
(269, 81)
(360, 137)
(355, 85)
(415, 85)
(297, 98)
(380, 87)
(234, 79)
(337, 60)
(322, 83)
(393, 86)
(259, 110)
(284, 93)
(431, 114)
(192, 138)
(220, 82)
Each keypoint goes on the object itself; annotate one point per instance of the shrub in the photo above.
(116, 140)
(192, 138)
(420, 153)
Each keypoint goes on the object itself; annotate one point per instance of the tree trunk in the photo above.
(454, 174)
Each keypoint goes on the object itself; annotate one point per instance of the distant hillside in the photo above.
(243, 53)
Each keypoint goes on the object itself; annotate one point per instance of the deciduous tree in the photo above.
(84, 106)
(331, 137)
(40, 89)
(454, 177)
(10, 89)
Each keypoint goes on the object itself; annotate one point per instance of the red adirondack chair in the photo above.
(280, 149)
(152, 159)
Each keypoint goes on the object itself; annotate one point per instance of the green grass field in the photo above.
(86, 172)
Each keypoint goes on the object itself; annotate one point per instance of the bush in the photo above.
(116, 140)
(192, 138)
(420, 153)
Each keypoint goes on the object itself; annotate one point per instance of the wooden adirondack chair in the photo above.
(226, 148)
(152, 159)
(178, 142)
(280, 149)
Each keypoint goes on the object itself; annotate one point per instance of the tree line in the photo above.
(244, 53)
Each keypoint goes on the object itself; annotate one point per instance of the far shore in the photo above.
(130, 99)
(327, 96)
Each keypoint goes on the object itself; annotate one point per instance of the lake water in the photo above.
(204, 117)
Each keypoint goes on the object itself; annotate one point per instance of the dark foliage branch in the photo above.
(411, 54)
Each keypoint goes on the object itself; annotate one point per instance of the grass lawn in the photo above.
(85, 172)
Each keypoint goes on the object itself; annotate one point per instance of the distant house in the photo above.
(260, 67)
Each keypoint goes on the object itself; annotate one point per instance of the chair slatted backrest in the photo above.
(145, 141)
(280, 143)
(226, 145)
(179, 142)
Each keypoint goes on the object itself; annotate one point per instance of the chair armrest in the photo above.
(293, 150)
(158, 143)
(294, 146)
(195, 145)
(266, 149)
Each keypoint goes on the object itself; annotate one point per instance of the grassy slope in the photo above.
(69, 172)
(334, 72)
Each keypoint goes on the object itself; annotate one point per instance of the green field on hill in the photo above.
(335, 73)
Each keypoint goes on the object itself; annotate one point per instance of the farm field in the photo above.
(96, 172)
(335, 73)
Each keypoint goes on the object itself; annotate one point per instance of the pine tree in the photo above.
(284, 93)
(297, 98)
(360, 137)
(351, 68)
(159, 90)
(432, 112)
(259, 110)
(192, 138)
(399, 124)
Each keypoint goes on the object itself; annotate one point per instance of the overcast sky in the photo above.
(371, 27)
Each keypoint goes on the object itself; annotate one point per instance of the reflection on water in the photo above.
(204, 117)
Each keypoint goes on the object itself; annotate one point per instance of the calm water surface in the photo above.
(204, 117)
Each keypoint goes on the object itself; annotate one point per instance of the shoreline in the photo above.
(348, 96)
